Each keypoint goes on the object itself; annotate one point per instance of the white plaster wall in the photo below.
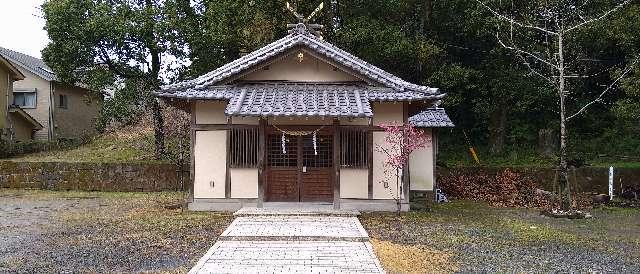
(354, 183)
(379, 191)
(421, 167)
(387, 113)
(210, 112)
(311, 69)
(244, 182)
(210, 153)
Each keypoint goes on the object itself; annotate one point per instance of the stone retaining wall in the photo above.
(161, 177)
(586, 179)
(90, 176)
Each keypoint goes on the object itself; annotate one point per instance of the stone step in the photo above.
(295, 228)
(289, 257)
(300, 211)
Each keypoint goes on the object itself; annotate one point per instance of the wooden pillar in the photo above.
(192, 157)
(262, 127)
(227, 177)
(370, 159)
(434, 149)
(405, 171)
(336, 164)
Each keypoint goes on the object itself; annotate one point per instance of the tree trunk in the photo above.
(563, 169)
(497, 131)
(156, 62)
(158, 128)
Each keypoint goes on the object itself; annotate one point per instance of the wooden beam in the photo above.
(336, 164)
(221, 126)
(261, 160)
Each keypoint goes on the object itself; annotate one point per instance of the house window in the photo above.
(243, 147)
(353, 148)
(63, 101)
(24, 99)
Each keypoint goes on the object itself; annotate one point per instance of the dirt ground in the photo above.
(90, 232)
(85, 232)
(472, 237)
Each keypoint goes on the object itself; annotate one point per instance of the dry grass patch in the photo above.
(413, 259)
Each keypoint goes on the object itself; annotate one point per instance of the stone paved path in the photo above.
(275, 243)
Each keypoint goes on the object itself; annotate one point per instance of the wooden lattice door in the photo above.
(300, 173)
(282, 170)
(317, 169)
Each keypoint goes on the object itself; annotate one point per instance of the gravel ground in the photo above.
(485, 239)
(83, 232)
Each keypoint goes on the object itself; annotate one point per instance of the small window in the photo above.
(24, 99)
(244, 148)
(63, 101)
(353, 148)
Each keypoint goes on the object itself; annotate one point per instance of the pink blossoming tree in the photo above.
(400, 141)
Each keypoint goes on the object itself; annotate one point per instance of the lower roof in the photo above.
(274, 99)
(21, 113)
(431, 117)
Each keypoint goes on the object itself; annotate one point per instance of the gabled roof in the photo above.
(300, 36)
(15, 72)
(431, 117)
(32, 64)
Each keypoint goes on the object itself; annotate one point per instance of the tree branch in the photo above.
(624, 74)
(605, 15)
(514, 22)
(519, 51)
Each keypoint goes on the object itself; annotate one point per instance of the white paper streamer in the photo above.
(284, 144)
(315, 143)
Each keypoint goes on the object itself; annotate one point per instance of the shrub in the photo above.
(505, 188)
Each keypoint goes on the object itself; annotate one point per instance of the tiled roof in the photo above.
(308, 100)
(300, 37)
(298, 99)
(228, 92)
(432, 117)
(32, 64)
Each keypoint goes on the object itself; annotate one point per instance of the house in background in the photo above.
(15, 123)
(297, 121)
(62, 110)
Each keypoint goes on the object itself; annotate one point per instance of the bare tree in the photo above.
(538, 37)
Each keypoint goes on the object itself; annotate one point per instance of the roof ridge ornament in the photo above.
(303, 26)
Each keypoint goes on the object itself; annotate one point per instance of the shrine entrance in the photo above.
(299, 168)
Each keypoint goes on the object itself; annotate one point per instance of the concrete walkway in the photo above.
(291, 241)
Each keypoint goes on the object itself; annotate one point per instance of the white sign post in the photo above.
(610, 183)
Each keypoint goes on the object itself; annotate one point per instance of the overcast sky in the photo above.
(21, 26)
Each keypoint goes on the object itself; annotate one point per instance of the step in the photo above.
(296, 211)
(295, 228)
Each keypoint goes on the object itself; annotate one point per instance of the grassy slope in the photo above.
(110, 148)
